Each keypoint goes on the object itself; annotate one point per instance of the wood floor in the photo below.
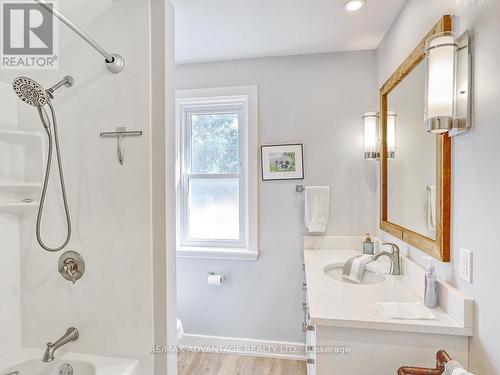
(225, 364)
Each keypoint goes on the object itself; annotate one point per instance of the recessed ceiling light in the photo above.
(353, 5)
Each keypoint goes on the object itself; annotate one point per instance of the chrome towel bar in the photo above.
(441, 359)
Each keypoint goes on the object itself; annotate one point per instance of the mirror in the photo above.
(411, 173)
(415, 164)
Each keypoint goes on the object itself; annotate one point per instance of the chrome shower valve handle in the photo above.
(71, 266)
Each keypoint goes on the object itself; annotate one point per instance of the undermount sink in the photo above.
(370, 277)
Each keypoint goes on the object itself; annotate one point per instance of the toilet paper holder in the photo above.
(222, 278)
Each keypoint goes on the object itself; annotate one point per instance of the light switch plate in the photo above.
(466, 265)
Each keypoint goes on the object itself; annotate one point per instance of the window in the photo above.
(217, 179)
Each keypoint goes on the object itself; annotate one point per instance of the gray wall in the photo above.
(476, 175)
(317, 100)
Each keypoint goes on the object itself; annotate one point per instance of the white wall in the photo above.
(10, 171)
(163, 183)
(10, 283)
(111, 205)
(476, 175)
(317, 100)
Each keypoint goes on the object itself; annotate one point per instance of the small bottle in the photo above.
(431, 293)
(368, 245)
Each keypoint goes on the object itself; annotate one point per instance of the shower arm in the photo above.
(114, 62)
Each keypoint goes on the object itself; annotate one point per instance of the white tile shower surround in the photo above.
(340, 304)
(110, 205)
(28, 362)
(12, 167)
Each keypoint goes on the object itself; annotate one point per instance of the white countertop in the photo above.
(340, 304)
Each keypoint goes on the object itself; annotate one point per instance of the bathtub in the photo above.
(29, 362)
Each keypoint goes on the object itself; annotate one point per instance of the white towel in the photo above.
(399, 310)
(431, 208)
(354, 268)
(455, 368)
(317, 208)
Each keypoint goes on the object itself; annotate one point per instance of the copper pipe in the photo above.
(441, 359)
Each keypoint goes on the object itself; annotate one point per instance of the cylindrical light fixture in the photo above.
(440, 65)
(391, 134)
(371, 139)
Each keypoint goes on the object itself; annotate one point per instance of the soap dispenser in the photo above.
(368, 247)
(431, 293)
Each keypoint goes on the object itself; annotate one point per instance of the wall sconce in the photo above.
(448, 71)
(371, 138)
(391, 135)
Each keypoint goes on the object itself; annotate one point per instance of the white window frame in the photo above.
(242, 99)
(221, 106)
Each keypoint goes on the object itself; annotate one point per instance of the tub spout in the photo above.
(70, 336)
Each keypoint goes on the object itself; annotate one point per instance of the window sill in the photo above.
(216, 253)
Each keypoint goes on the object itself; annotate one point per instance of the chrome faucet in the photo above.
(393, 256)
(70, 336)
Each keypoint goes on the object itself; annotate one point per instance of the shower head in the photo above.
(30, 91)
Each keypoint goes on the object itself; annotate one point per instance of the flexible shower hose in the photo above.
(52, 140)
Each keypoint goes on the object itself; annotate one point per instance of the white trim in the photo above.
(228, 95)
(216, 253)
(235, 104)
(242, 346)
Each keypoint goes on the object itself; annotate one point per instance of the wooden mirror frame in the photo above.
(439, 247)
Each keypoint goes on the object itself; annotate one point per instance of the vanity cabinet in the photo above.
(367, 351)
(347, 334)
(309, 330)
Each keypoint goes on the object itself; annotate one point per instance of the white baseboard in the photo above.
(250, 347)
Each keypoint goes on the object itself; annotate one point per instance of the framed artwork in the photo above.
(282, 162)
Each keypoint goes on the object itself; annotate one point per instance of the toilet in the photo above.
(180, 330)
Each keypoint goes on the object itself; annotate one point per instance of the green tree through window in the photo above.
(215, 146)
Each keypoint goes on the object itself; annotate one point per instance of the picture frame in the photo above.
(282, 162)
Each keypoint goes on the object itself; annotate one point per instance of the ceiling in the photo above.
(214, 30)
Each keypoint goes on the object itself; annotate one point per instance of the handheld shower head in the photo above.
(30, 91)
(34, 94)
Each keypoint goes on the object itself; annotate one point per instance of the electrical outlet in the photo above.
(466, 265)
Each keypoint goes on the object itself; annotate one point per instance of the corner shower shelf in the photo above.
(13, 194)
(20, 189)
(16, 136)
(23, 168)
(18, 208)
